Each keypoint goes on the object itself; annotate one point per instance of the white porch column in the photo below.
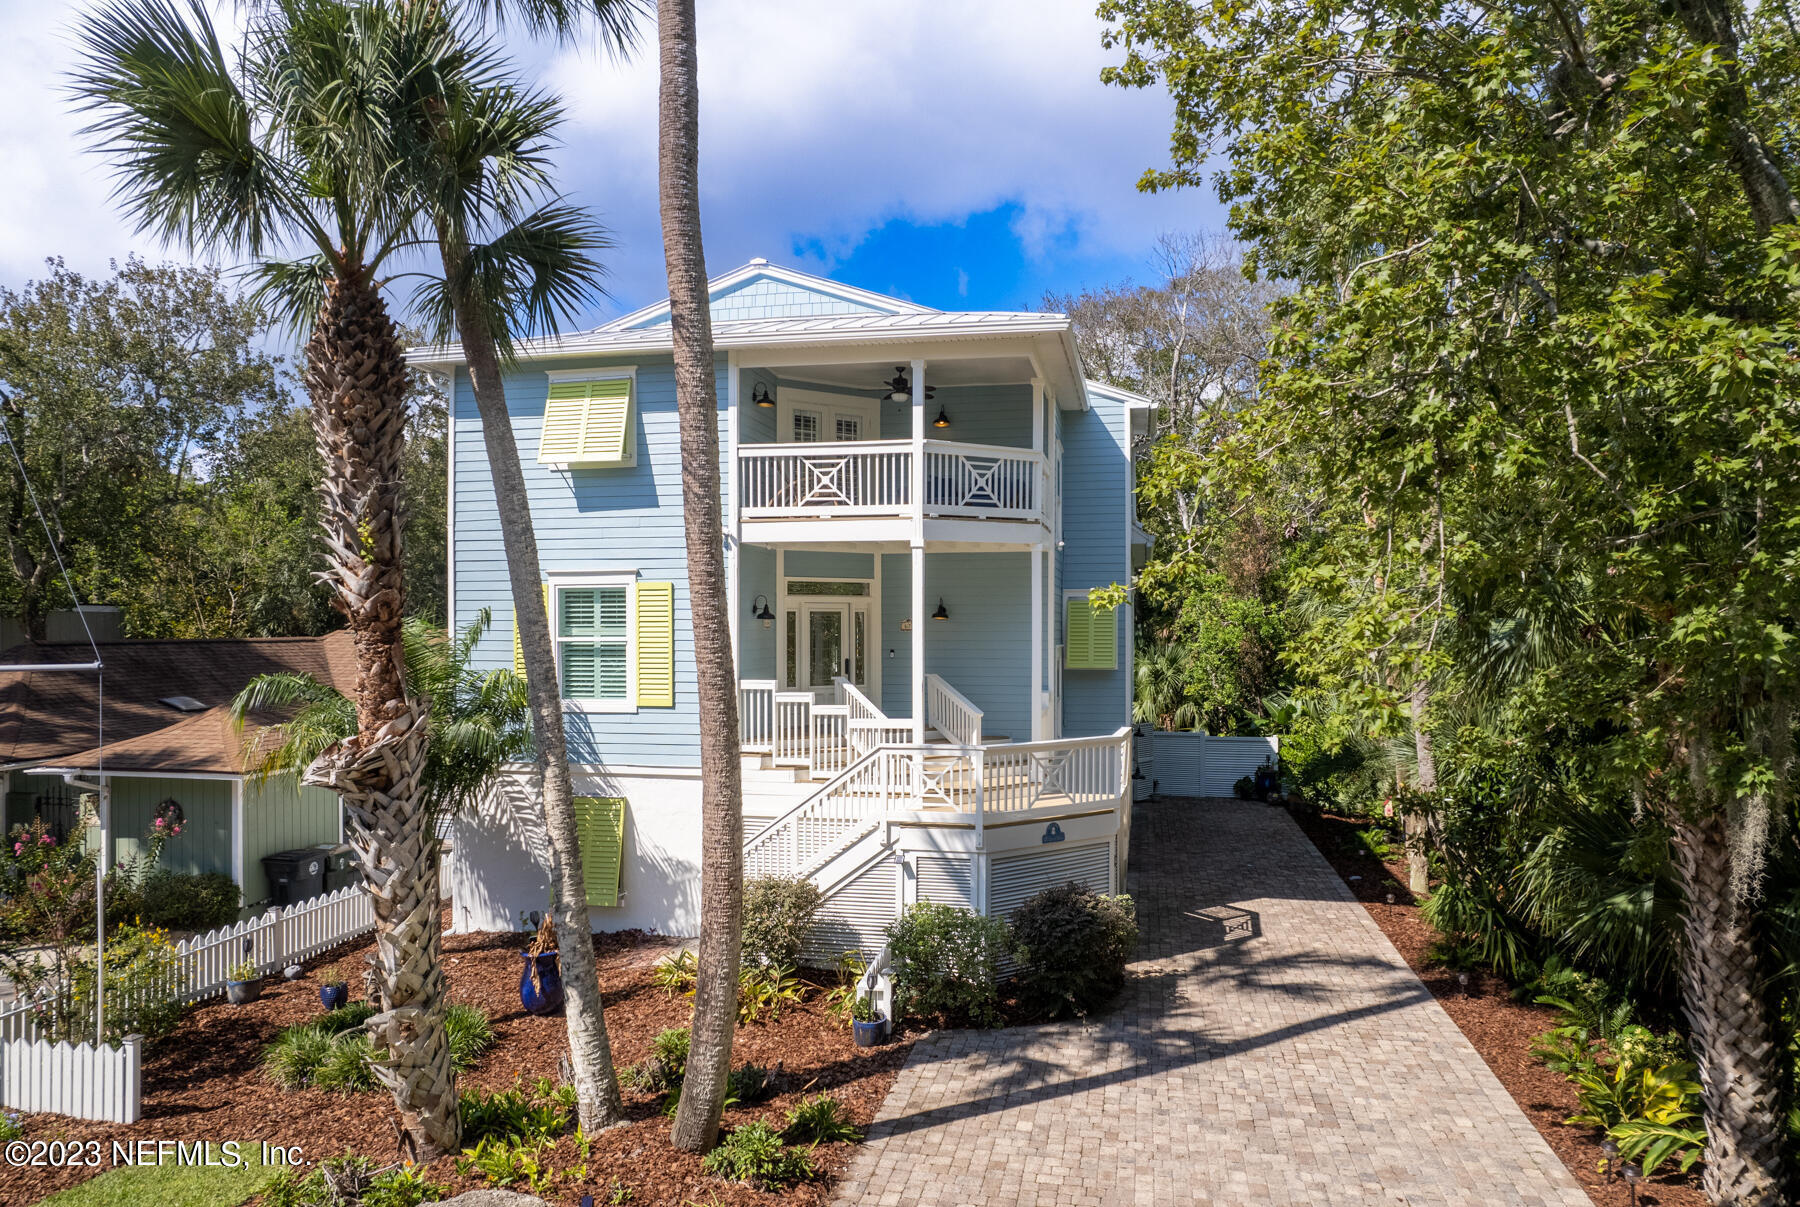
(918, 551)
(237, 829)
(732, 522)
(1037, 645)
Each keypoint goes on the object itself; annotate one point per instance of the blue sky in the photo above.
(961, 155)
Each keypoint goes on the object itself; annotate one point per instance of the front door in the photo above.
(831, 639)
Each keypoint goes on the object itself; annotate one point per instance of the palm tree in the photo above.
(479, 720)
(513, 258)
(696, 399)
(288, 161)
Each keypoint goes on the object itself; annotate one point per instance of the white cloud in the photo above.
(820, 121)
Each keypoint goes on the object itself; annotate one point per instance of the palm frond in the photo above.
(527, 278)
(177, 124)
(618, 22)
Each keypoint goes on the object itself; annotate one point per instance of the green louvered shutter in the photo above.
(600, 822)
(1091, 636)
(518, 645)
(656, 645)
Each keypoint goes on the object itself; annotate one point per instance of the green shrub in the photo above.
(666, 1065)
(778, 913)
(358, 1182)
(196, 901)
(1072, 946)
(521, 1114)
(820, 1119)
(506, 1162)
(763, 992)
(747, 1084)
(346, 1067)
(471, 1035)
(947, 963)
(141, 965)
(677, 973)
(345, 1018)
(10, 1127)
(754, 1153)
(293, 1059)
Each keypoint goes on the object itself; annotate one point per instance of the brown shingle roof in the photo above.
(49, 716)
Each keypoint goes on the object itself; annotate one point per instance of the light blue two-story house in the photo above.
(917, 503)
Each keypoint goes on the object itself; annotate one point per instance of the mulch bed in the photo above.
(1500, 1028)
(204, 1082)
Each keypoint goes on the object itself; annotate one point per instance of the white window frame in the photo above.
(825, 402)
(605, 373)
(582, 580)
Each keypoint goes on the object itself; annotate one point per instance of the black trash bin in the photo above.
(295, 875)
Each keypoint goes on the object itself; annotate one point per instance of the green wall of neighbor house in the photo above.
(204, 844)
(280, 815)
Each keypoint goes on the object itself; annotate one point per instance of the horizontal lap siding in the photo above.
(1096, 498)
(757, 645)
(983, 650)
(977, 414)
(587, 520)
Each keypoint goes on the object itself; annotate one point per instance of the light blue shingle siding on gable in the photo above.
(1096, 553)
(767, 298)
(587, 520)
(983, 650)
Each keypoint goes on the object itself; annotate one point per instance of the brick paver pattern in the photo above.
(1272, 1048)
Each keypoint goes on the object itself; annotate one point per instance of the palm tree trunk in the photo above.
(1418, 867)
(590, 1048)
(1734, 1043)
(696, 396)
(356, 377)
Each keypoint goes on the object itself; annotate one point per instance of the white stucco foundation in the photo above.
(498, 868)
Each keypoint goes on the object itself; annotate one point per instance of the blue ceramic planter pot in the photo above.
(869, 1034)
(541, 993)
(333, 996)
(240, 993)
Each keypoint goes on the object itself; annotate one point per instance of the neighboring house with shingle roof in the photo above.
(167, 736)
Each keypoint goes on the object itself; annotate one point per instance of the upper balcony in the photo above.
(824, 459)
(869, 479)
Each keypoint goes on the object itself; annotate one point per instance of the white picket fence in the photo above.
(35, 1072)
(103, 1083)
(1199, 764)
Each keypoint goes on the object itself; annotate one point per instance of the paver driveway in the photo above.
(1273, 1048)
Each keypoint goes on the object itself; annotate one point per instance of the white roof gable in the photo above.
(761, 290)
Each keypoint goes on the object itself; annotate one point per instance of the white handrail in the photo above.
(874, 478)
(951, 713)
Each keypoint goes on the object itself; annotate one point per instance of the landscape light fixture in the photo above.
(942, 612)
(1609, 1158)
(1632, 1175)
(761, 396)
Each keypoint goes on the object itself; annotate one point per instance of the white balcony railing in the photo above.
(874, 478)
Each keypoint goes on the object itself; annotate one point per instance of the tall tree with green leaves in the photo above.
(696, 397)
(286, 155)
(117, 393)
(1546, 267)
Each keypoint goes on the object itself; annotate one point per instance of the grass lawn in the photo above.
(170, 1185)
